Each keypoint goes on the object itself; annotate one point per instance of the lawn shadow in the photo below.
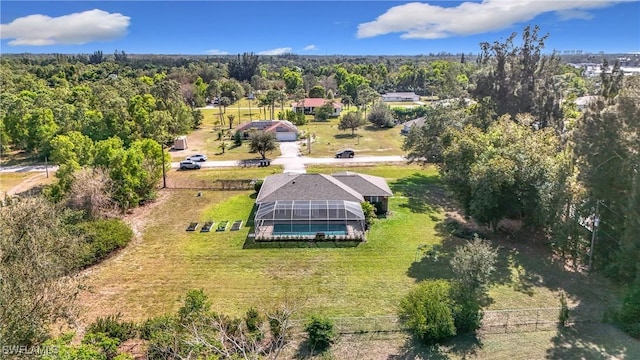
(586, 340)
(346, 136)
(377, 128)
(424, 193)
(462, 346)
(250, 243)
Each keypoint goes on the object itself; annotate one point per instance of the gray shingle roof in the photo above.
(416, 122)
(289, 186)
(367, 185)
(346, 186)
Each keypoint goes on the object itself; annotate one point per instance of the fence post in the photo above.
(537, 318)
(506, 324)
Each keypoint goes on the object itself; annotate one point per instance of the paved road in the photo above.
(27, 168)
(291, 160)
(298, 163)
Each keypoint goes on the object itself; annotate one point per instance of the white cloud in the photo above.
(216, 52)
(424, 21)
(73, 29)
(310, 48)
(278, 51)
(574, 14)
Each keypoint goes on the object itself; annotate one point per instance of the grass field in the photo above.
(367, 140)
(205, 141)
(585, 341)
(151, 275)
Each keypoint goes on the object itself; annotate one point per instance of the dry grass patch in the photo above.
(17, 182)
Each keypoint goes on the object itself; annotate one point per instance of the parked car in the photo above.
(197, 157)
(189, 164)
(345, 153)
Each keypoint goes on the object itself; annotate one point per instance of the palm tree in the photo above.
(231, 117)
(223, 146)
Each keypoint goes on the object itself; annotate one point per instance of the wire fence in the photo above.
(493, 322)
(204, 184)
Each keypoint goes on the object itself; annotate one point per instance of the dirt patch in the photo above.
(137, 220)
(31, 182)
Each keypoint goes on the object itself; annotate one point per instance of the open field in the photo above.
(151, 275)
(367, 140)
(205, 141)
(149, 278)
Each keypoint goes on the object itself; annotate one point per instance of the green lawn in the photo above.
(367, 140)
(151, 276)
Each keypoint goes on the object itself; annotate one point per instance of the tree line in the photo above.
(523, 151)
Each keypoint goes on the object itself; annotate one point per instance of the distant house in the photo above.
(315, 206)
(283, 129)
(400, 96)
(309, 105)
(583, 102)
(406, 127)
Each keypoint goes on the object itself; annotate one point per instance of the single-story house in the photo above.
(400, 96)
(406, 127)
(283, 129)
(309, 105)
(583, 102)
(317, 206)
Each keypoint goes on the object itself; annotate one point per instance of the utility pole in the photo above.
(594, 229)
(46, 166)
(164, 172)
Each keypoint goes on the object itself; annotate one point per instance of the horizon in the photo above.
(322, 28)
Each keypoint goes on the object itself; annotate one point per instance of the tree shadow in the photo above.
(586, 340)
(346, 136)
(526, 263)
(424, 193)
(377, 128)
(461, 346)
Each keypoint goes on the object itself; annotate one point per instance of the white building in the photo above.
(400, 97)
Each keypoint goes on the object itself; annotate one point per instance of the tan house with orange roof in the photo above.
(283, 129)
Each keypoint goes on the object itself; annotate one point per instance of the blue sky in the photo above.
(311, 27)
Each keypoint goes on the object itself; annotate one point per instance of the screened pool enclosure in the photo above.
(309, 219)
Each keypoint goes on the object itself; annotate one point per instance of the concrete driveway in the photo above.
(291, 158)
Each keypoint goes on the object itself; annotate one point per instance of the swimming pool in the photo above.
(309, 229)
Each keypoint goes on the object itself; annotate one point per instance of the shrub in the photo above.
(369, 213)
(258, 185)
(253, 320)
(563, 315)
(237, 138)
(628, 316)
(102, 237)
(107, 345)
(112, 326)
(467, 313)
(320, 332)
(195, 305)
(427, 311)
(151, 326)
(473, 264)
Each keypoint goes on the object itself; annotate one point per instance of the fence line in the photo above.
(219, 184)
(493, 322)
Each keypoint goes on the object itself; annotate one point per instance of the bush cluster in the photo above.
(320, 332)
(102, 237)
